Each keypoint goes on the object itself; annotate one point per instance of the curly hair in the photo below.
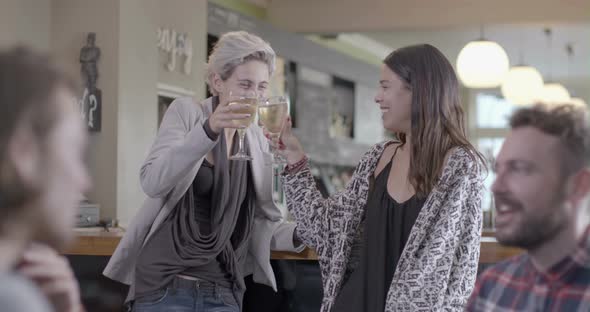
(566, 121)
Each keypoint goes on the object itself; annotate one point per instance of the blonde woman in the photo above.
(208, 221)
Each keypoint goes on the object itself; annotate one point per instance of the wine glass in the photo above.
(250, 99)
(272, 112)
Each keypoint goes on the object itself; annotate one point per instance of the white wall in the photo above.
(130, 68)
(137, 98)
(71, 21)
(25, 22)
(141, 68)
(189, 16)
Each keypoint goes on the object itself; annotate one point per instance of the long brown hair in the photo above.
(437, 117)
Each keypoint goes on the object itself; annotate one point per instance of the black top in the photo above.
(156, 260)
(387, 228)
(214, 271)
(202, 190)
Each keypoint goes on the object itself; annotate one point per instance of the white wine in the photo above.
(272, 116)
(250, 109)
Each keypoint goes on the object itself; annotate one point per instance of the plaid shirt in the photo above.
(515, 285)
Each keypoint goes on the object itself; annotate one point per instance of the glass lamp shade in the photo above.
(482, 64)
(522, 85)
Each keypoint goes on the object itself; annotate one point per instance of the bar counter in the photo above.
(98, 242)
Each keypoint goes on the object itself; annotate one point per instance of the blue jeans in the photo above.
(190, 296)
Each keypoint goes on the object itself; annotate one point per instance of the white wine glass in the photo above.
(272, 112)
(250, 100)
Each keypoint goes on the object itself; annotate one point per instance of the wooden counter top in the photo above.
(97, 242)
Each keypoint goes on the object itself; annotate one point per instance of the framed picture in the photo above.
(291, 89)
(342, 108)
(167, 94)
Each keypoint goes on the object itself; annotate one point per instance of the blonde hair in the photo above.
(236, 48)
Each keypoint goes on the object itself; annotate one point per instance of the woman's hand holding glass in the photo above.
(225, 116)
(244, 103)
(272, 113)
(288, 145)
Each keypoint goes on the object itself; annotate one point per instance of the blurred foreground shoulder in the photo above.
(18, 294)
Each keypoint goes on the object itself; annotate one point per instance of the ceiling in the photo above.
(528, 43)
(449, 25)
(382, 25)
(332, 16)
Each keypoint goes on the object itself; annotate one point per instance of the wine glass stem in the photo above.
(275, 140)
(241, 134)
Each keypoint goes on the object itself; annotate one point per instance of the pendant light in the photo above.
(553, 92)
(482, 63)
(578, 102)
(523, 83)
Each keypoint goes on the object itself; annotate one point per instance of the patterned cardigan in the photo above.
(438, 266)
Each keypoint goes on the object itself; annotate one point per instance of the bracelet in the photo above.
(296, 167)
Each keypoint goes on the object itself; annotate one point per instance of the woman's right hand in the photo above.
(54, 277)
(224, 116)
(289, 146)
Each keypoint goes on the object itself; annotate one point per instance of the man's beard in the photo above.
(535, 230)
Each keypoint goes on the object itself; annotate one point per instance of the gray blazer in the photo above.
(171, 166)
